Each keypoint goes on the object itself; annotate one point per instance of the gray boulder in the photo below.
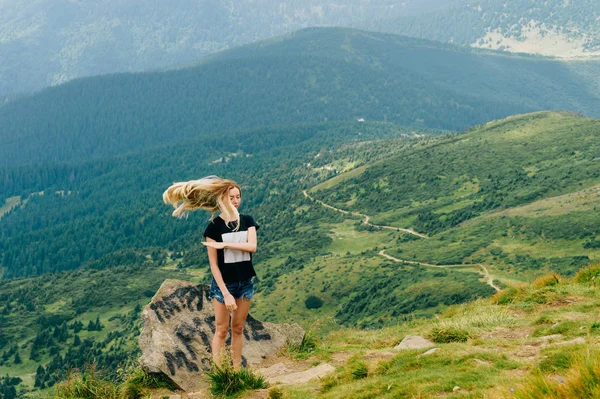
(179, 325)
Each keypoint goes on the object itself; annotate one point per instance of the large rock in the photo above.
(179, 325)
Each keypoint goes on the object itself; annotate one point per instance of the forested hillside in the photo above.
(48, 42)
(90, 212)
(554, 27)
(314, 75)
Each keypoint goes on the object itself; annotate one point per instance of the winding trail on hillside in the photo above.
(484, 271)
(365, 217)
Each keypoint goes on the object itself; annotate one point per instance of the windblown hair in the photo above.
(210, 193)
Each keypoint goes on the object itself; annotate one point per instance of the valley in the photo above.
(475, 180)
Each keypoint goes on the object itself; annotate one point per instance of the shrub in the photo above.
(444, 333)
(547, 281)
(506, 296)
(359, 370)
(275, 393)
(589, 274)
(313, 302)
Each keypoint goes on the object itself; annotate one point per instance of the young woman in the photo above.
(230, 241)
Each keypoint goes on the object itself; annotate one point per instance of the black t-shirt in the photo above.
(234, 265)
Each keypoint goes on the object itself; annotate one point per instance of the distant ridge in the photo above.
(314, 75)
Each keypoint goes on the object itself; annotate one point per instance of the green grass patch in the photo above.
(228, 382)
(579, 377)
(445, 332)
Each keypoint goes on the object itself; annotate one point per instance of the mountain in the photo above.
(311, 76)
(46, 42)
(452, 218)
(50, 42)
(565, 29)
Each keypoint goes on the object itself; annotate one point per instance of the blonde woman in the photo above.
(230, 241)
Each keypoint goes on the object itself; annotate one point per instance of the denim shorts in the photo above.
(238, 289)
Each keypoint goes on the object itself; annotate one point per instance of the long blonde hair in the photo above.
(210, 193)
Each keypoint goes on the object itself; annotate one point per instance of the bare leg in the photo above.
(237, 330)
(221, 329)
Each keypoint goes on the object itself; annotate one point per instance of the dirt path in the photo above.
(489, 280)
(484, 271)
(366, 218)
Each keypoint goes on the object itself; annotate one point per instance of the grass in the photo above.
(445, 332)
(582, 200)
(338, 179)
(275, 393)
(408, 376)
(589, 275)
(579, 378)
(227, 382)
(86, 385)
(138, 381)
(90, 384)
(346, 239)
(481, 366)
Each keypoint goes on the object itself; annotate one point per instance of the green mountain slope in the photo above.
(517, 195)
(312, 76)
(442, 182)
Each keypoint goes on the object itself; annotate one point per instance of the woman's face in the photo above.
(235, 197)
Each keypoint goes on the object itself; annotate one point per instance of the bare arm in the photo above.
(249, 246)
(214, 267)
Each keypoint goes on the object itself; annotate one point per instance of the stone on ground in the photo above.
(414, 342)
(429, 352)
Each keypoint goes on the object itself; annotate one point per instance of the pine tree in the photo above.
(97, 325)
(34, 354)
(10, 393)
(17, 359)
